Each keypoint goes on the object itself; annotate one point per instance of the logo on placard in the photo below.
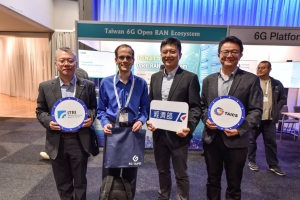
(219, 111)
(168, 115)
(61, 114)
(182, 117)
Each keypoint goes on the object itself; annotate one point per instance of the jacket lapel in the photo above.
(55, 87)
(235, 82)
(214, 86)
(157, 86)
(80, 85)
(178, 75)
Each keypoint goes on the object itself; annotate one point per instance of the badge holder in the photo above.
(123, 117)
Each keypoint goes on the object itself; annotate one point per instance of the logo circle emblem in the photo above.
(219, 111)
(227, 112)
(69, 113)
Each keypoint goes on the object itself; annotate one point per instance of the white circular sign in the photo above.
(69, 113)
(227, 112)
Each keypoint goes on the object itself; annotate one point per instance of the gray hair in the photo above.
(65, 49)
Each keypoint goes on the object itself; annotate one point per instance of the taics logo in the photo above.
(219, 111)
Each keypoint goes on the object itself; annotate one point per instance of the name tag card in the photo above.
(169, 115)
(69, 113)
(227, 112)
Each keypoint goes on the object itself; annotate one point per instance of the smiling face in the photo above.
(65, 64)
(230, 54)
(124, 59)
(170, 56)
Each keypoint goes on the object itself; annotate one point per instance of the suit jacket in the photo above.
(185, 88)
(246, 88)
(49, 93)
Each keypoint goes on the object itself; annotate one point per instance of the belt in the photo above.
(69, 135)
(121, 124)
(126, 124)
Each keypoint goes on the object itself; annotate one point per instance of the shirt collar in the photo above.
(72, 81)
(130, 77)
(172, 73)
(231, 75)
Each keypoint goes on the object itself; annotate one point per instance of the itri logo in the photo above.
(219, 111)
(61, 114)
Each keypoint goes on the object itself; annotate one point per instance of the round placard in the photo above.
(227, 112)
(69, 113)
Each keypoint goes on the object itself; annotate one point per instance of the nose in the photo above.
(168, 54)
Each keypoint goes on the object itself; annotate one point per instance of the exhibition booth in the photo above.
(199, 53)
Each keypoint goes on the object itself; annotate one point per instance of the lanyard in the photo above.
(117, 96)
(267, 88)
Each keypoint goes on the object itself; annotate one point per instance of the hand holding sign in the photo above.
(168, 115)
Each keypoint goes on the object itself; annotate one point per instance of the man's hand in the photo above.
(231, 133)
(211, 125)
(107, 129)
(150, 126)
(136, 126)
(54, 126)
(87, 123)
(183, 132)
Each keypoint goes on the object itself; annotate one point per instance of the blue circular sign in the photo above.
(227, 112)
(69, 113)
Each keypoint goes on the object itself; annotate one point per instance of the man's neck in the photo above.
(265, 78)
(169, 69)
(124, 76)
(66, 80)
(228, 70)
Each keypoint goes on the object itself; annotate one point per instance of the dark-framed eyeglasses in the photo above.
(233, 52)
(68, 61)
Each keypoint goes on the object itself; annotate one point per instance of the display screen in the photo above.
(98, 64)
(288, 73)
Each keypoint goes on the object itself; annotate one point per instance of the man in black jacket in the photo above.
(273, 100)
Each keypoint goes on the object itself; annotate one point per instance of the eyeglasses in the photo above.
(233, 52)
(69, 61)
(128, 58)
(262, 68)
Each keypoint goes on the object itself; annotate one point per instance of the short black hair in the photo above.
(124, 45)
(232, 39)
(265, 61)
(171, 41)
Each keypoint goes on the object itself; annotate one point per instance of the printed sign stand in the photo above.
(169, 115)
(69, 113)
(227, 112)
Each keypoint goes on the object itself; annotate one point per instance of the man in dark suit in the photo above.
(68, 151)
(174, 84)
(229, 148)
(80, 73)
